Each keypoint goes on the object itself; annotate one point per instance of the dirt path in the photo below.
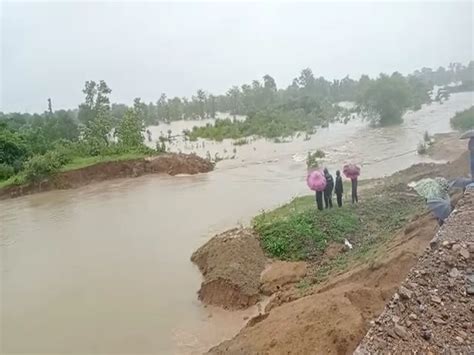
(171, 164)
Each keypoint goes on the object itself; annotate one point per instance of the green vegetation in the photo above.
(312, 159)
(384, 100)
(35, 147)
(297, 231)
(463, 121)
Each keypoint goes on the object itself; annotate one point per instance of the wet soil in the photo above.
(336, 315)
(172, 164)
(231, 264)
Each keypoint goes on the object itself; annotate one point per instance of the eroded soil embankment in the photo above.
(171, 164)
(231, 264)
(336, 315)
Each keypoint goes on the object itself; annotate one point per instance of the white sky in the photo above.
(141, 49)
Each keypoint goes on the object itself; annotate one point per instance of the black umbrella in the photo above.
(468, 134)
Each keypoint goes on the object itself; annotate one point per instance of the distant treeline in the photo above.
(33, 146)
(306, 92)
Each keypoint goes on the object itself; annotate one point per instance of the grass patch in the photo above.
(298, 231)
(82, 162)
(76, 163)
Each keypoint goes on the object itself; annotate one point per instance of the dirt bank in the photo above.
(171, 164)
(333, 317)
(336, 315)
(231, 264)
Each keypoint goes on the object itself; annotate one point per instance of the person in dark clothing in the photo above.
(328, 189)
(355, 198)
(319, 200)
(338, 188)
(471, 151)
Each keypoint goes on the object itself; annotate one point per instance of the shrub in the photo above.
(427, 137)
(463, 121)
(40, 167)
(6, 171)
(422, 148)
(312, 159)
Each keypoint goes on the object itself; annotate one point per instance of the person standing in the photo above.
(471, 150)
(328, 189)
(319, 200)
(354, 182)
(338, 188)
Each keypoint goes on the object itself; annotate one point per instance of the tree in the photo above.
(131, 128)
(96, 115)
(162, 108)
(385, 100)
(200, 100)
(269, 83)
(50, 107)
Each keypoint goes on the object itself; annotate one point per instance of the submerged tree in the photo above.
(385, 100)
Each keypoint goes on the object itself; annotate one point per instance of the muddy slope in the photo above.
(337, 315)
(171, 164)
(231, 264)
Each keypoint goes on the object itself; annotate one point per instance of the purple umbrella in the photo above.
(351, 171)
(316, 181)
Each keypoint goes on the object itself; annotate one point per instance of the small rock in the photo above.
(426, 334)
(401, 331)
(413, 285)
(396, 297)
(435, 299)
(405, 293)
(391, 333)
(460, 340)
(470, 290)
(413, 316)
(454, 273)
(445, 315)
(456, 247)
(395, 319)
(246, 317)
(462, 334)
(466, 325)
(439, 321)
(273, 343)
(464, 253)
(408, 323)
(446, 244)
(450, 261)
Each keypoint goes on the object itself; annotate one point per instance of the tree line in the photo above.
(35, 145)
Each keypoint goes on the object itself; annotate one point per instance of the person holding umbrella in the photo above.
(352, 171)
(317, 182)
(339, 189)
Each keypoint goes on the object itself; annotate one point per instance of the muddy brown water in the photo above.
(105, 268)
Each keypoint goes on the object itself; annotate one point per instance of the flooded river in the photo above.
(105, 268)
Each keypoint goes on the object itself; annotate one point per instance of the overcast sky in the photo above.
(143, 49)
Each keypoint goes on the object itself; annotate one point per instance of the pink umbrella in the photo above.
(351, 171)
(316, 181)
